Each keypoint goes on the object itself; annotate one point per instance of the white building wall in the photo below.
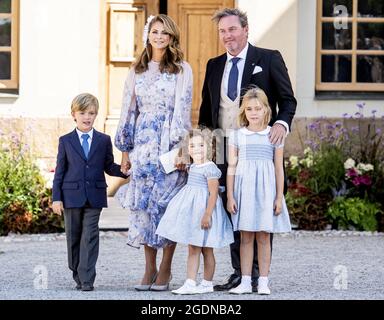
(290, 27)
(59, 57)
(273, 25)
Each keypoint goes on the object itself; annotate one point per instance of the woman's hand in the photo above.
(180, 163)
(231, 205)
(125, 163)
(206, 221)
(277, 207)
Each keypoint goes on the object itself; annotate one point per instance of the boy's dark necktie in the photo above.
(85, 144)
(233, 79)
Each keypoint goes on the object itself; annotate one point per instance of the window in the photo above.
(9, 25)
(350, 45)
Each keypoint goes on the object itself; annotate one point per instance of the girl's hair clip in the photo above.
(146, 30)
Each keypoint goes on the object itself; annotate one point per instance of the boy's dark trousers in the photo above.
(82, 231)
(235, 278)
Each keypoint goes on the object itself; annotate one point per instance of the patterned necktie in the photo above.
(233, 79)
(85, 144)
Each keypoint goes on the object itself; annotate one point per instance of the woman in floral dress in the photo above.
(155, 116)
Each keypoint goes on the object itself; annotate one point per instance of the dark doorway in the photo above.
(163, 6)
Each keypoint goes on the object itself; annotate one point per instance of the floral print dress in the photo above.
(154, 118)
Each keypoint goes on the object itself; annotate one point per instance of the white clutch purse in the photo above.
(167, 160)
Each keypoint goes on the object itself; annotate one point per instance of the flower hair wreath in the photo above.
(146, 30)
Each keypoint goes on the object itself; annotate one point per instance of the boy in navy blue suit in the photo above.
(79, 188)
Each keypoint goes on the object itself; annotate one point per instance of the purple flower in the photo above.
(308, 142)
(374, 111)
(355, 129)
(378, 131)
(345, 115)
(356, 181)
(361, 105)
(338, 124)
(352, 173)
(365, 180)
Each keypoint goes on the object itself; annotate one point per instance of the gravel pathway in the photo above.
(305, 265)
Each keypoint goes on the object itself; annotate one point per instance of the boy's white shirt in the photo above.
(90, 133)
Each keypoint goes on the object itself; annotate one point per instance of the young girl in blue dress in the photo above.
(255, 184)
(196, 216)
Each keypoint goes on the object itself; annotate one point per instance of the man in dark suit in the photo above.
(79, 188)
(227, 78)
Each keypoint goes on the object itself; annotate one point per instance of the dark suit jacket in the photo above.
(274, 80)
(78, 179)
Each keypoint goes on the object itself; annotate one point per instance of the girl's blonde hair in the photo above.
(208, 138)
(259, 95)
(173, 56)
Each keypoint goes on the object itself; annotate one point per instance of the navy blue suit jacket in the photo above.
(78, 179)
(273, 79)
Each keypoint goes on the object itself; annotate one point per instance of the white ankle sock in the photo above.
(263, 280)
(190, 282)
(247, 280)
(206, 283)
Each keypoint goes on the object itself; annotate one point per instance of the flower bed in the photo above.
(339, 179)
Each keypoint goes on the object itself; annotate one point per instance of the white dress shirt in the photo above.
(240, 66)
(90, 133)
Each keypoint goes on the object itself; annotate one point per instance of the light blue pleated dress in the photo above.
(255, 184)
(181, 221)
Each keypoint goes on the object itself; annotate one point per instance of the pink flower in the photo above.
(356, 181)
(362, 180)
(352, 173)
(366, 180)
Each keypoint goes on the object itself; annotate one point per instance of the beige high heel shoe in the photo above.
(146, 287)
(162, 287)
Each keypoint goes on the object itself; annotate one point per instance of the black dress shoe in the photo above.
(233, 281)
(87, 287)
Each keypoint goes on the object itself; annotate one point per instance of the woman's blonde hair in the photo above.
(259, 95)
(173, 56)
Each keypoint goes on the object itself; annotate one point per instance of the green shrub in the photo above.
(354, 212)
(24, 199)
(307, 211)
(327, 171)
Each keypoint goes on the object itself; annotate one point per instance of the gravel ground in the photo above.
(305, 265)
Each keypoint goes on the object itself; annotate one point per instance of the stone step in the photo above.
(114, 218)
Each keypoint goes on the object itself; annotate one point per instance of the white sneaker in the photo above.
(262, 287)
(204, 289)
(186, 288)
(242, 288)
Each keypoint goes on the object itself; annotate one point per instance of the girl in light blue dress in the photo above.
(196, 216)
(255, 182)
